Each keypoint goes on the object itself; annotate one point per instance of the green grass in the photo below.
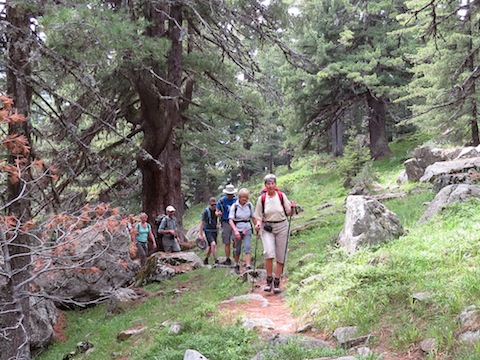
(372, 288)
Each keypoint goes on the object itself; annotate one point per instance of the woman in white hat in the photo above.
(168, 230)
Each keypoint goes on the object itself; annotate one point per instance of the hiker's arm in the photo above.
(202, 223)
(234, 228)
(152, 238)
(293, 205)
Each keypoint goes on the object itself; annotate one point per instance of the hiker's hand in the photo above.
(258, 225)
(237, 235)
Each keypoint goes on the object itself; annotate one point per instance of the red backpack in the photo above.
(280, 196)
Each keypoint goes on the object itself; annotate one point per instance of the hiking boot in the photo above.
(228, 262)
(249, 267)
(205, 262)
(216, 261)
(276, 286)
(237, 268)
(268, 287)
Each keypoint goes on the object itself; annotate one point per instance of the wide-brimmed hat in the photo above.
(170, 208)
(229, 189)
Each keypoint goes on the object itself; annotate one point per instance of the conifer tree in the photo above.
(443, 93)
(353, 70)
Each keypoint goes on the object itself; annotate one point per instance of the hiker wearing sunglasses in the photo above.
(209, 229)
(271, 212)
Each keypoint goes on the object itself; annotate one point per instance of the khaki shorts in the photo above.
(275, 242)
(227, 233)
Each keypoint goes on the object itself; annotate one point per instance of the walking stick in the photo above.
(254, 273)
(288, 239)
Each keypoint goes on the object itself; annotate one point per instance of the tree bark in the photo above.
(473, 90)
(163, 123)
(14, 301)
(337, 138)
(377, 127)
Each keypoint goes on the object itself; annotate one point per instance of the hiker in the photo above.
(240, 219)
(168, 231)
(141, 232)
(223, 210)
(208, 226)
(271, 212)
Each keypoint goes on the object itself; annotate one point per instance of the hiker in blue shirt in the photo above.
(223, 210)
(208, 226)
(141, 232)
(241, 214)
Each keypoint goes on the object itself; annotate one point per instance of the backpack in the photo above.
(263, 196)
(158, 221)
(209, 217)
(137, 227)
(221, 202)
(236, 207)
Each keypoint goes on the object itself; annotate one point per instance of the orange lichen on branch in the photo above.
(16, 144)
(6, 102)
(8, 222)
(100, 209)
(16, 118)
(27, 226)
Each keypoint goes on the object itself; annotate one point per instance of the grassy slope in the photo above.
(371, 289)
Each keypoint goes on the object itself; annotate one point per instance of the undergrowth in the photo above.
(373, 289)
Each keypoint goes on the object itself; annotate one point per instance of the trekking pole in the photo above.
(288, 239)
(254, 273)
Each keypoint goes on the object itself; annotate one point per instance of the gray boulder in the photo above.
(368, 222)
(449, 167)
(428, 155)
(161, 266)
(448, 195)
(413, 169)
(469, 152)
(193, 355)
(89, 265)
(43, 317)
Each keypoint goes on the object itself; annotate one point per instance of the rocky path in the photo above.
(267, 312)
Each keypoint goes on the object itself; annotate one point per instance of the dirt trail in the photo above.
(266, 306)
(261, 305)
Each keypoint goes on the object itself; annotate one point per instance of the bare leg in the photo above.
(213, 248)
(278, 270)
(269, 266)
(247, 259)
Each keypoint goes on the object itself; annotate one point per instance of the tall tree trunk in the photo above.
(337, 138)
(14, 300)
(162, 122)
(473, 90)
(245, 170)
(377, 128)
